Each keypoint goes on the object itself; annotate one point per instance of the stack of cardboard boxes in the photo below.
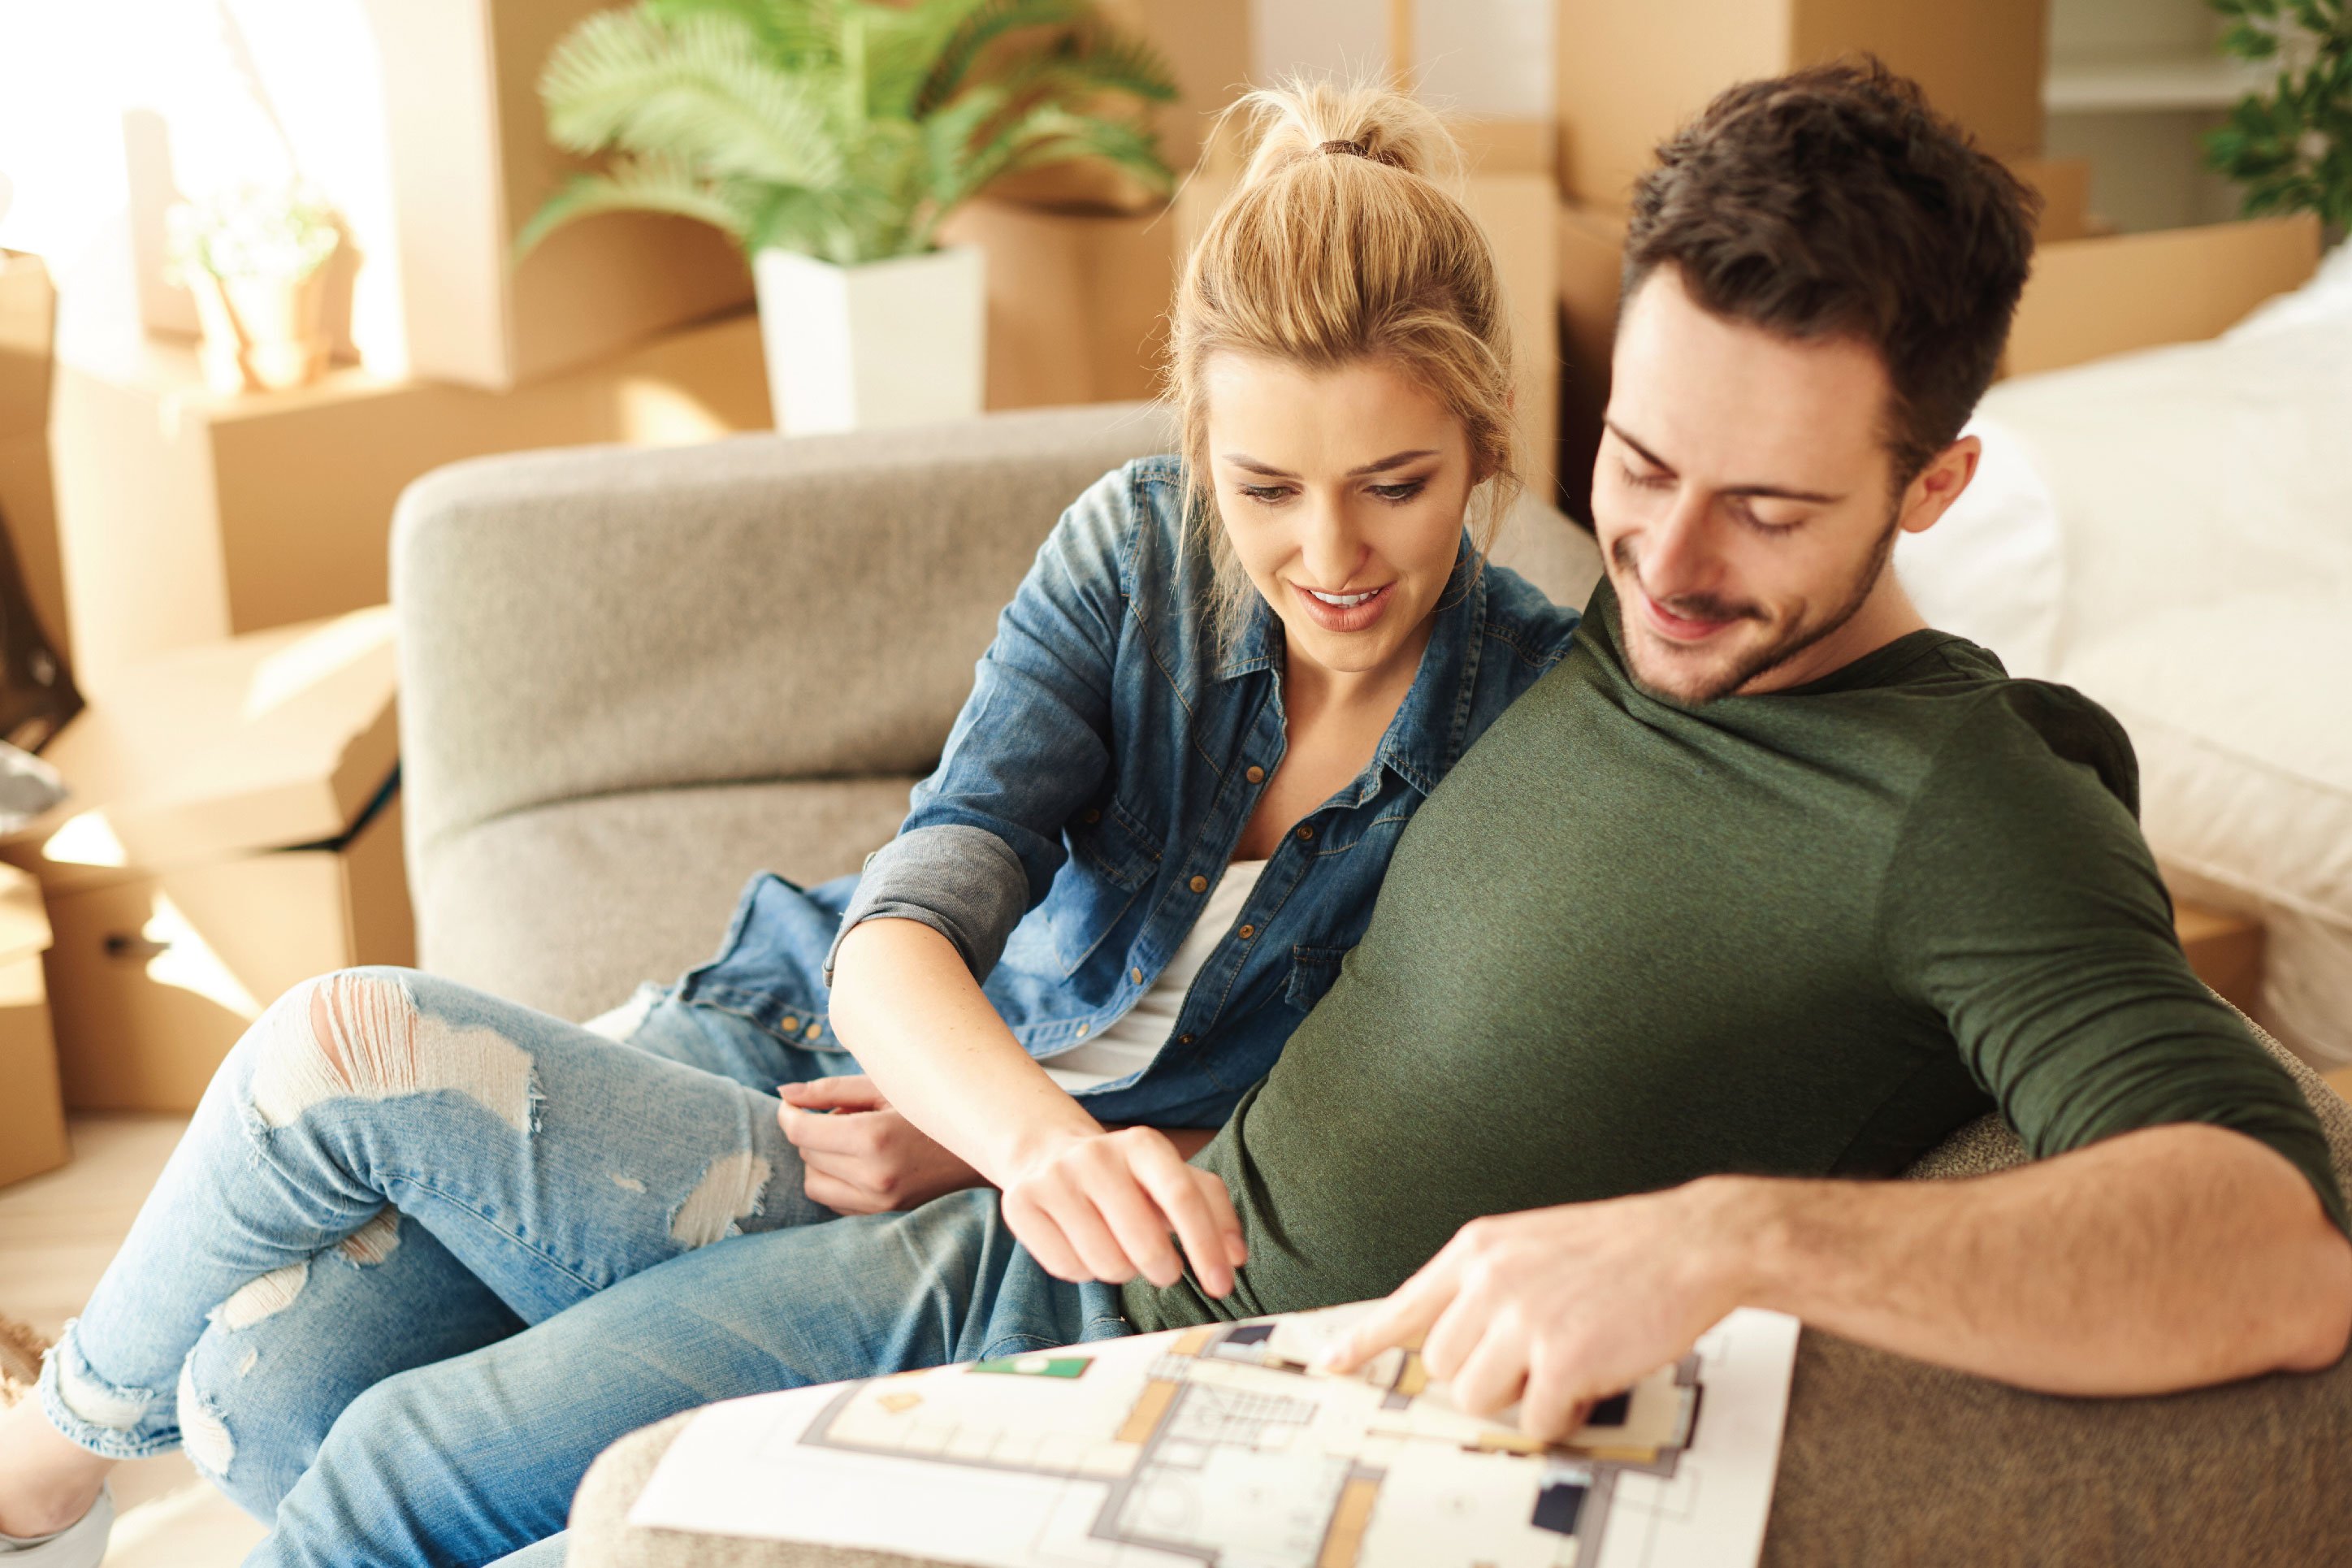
(234, 819)
(32, 1114)
(235, 828)
(1627, 76)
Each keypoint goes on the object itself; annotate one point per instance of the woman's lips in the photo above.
(1346, 618)
(1681, 628)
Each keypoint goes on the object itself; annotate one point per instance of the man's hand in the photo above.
(1557, 1308)
(1102, 1205)
(859, 1155)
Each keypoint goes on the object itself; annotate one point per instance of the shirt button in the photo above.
(792, 1024)
(1136, 975)
(1256, 776)
(1247, 933)
(1090, 815)
(1199, 884)
(1305, 833)
(812, 1032)
(1082, 1032)
(1183, 1039)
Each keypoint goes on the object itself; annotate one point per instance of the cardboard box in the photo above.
(2225, 950)
(234, 829)
(470, 162)
(1628, 75)
(32, 1110)
(2091, 297)
(1077, 301)
(2064, 186)
(1514, 207)
(29, 304)
(2088, 296)
(190, 517)
(1591, 253)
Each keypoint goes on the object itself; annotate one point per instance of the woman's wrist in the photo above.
(1029, 1146)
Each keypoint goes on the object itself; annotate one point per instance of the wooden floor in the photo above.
(58, 1233)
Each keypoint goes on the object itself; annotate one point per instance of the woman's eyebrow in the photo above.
(1243, 460)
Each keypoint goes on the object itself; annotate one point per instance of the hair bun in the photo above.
(1300, 120)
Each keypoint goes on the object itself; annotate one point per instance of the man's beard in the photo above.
(1752, 663)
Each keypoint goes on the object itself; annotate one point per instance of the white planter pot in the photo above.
(881, 343)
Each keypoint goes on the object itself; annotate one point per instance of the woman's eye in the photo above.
(1403, 492)
(1265, 494)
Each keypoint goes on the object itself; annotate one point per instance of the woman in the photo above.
(1160, 822)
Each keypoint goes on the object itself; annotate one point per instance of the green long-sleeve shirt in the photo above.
(1629, 943)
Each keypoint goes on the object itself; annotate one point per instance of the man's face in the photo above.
(1743, 499)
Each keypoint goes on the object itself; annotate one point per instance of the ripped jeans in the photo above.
(391, 1169)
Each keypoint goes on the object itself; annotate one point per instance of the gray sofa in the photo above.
(630, 679)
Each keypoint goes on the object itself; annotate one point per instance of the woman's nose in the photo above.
(1331, 550)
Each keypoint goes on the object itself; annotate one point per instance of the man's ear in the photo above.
(1939, 484)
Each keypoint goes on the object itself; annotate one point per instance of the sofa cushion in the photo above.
(566, 906)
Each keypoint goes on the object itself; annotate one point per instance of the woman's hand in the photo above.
(859, 1155)
(1102, 1206)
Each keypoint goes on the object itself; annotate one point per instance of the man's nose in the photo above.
(1677, 552)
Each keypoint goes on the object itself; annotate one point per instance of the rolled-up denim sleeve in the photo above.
(982, 840)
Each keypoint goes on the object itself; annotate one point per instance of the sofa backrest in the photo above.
(599, 620)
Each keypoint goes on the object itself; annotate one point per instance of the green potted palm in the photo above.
(830, 138)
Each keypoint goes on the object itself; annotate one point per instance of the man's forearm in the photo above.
(2162, 1259)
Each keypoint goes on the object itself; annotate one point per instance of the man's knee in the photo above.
(360, 1033)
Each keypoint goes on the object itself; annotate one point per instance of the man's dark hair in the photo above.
(1834, 203)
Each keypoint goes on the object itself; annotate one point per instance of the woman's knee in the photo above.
(377, 1034)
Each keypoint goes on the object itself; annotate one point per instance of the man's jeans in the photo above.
(540, 1170)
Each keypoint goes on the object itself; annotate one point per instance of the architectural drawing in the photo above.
(1219, 1445)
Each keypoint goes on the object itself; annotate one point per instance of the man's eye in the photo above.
(1747, 514)
(1643, 481)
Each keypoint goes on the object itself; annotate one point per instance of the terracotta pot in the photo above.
(261, 333)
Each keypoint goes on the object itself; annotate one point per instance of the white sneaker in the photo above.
(81, 1544)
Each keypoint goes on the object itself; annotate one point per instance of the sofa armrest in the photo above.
(596, 620)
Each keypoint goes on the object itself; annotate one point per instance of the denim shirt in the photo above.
(1095, 787)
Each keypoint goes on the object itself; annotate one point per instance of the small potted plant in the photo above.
(255, 258)
(829, 139)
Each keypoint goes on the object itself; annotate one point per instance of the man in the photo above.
(1819, 887)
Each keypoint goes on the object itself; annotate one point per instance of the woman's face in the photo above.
(1343, 494)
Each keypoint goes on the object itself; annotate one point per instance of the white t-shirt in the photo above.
(1129, 1046)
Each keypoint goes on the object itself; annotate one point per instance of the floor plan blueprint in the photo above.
(1219, 1445)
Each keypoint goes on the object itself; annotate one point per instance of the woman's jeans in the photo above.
(392, 1169)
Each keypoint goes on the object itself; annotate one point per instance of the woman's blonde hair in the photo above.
(1344, 241)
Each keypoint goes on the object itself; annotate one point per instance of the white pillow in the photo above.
(2242, 716)
(1992, 569)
